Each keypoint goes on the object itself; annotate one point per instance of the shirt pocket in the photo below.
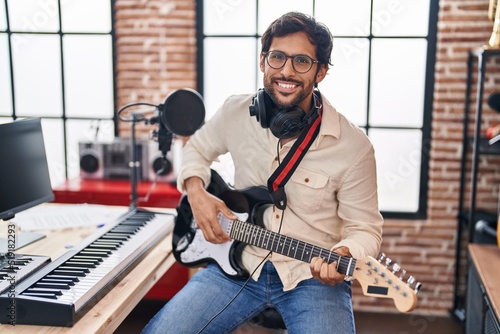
(306, 190)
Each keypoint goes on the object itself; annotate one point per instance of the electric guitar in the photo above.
(191, 249)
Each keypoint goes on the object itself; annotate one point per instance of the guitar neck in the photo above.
(257, 236)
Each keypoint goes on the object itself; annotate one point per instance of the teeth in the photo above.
(286, 85)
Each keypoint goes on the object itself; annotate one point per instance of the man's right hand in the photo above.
(205, 208)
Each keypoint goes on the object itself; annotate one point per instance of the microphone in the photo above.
(482, 226)
(182, 113)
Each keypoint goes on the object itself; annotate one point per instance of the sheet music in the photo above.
(66, 216)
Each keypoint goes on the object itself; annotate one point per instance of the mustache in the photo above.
(274, 79)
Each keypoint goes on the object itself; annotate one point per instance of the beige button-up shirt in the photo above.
(332, 195)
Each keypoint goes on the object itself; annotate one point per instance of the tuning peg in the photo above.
(417, 287)
(395, 268)
(388, 262)
(403, 273)
(410, 280)
(381, 257)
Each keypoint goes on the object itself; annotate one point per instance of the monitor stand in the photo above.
(22, 239)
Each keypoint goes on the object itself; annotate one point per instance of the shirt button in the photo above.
(306, 180)
(277, 216)
(275, 158)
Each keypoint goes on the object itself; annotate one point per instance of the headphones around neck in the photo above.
(283, 123)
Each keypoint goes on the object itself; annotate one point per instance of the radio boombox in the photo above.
(111, 160)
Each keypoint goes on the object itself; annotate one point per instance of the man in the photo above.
(328, 197)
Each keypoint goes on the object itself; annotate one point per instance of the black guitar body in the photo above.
(250, 201)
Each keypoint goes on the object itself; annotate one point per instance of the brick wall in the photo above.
(156, 51)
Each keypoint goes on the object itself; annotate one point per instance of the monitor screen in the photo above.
(24, 173)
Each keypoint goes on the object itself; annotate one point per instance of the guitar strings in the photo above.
(249, 233)
(253, 272)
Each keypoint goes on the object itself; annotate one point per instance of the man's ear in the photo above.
(261, 62)
(321, 74)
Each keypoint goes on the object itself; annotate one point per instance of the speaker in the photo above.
(164, 170)
(91, 160)
(110, 160)
(283, 123)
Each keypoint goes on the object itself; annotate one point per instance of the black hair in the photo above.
(293, 22)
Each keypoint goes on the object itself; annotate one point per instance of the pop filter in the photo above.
(183, 112)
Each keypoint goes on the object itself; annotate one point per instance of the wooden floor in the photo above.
(366, 323)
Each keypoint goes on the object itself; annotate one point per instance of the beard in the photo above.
(275, 96)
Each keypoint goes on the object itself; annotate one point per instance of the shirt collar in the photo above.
(330, 123)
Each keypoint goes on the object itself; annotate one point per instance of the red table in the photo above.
(117, 192)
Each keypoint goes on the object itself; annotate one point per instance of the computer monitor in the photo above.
(24, 173)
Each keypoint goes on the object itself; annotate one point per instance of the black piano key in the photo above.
(95, 252)
(70, 273)
(66, 282)
(56, 292)
(88, 258)
(101, 241)
(40, 294)
(116, 236)
(80, 264)
(101, 246)
(56, 285)
(132, 223)
(125, 229)
(78, 269)
(63, 277)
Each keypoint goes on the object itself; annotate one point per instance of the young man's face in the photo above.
(285, 85)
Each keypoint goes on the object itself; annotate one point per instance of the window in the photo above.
(56, 62)
(382, 78)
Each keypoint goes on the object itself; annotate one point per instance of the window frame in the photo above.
(431, 38)
(64, 117)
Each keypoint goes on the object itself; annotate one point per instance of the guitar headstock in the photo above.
(378, 280)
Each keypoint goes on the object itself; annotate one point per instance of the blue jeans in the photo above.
(311, 307)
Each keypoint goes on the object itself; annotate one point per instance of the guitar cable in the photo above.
(260, 264)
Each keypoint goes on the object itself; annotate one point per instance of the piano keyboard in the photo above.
(62, 291)
(18, 267)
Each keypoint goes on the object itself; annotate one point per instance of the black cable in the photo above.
(236, 295)
(253, 272)
(118, 113)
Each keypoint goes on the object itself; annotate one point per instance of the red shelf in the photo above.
(115, 192)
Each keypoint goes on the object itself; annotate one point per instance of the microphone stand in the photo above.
(165, 143)
(133, 165)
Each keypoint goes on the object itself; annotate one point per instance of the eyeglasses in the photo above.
(300, 63)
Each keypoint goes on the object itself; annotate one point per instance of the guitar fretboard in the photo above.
(257, 236)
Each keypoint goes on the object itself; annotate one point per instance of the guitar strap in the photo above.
(276, 183)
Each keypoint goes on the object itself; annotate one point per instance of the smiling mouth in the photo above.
(286, 85)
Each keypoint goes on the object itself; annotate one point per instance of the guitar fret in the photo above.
(244, 233)
(262, 236)
(253, 234)
(296, 247)
(319, 254)
(282, 244)
(248, 233)
(269, 234)
(273, 243)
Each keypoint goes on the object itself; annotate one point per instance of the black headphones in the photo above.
(283, 123)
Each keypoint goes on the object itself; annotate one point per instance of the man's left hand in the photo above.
(327, 273)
